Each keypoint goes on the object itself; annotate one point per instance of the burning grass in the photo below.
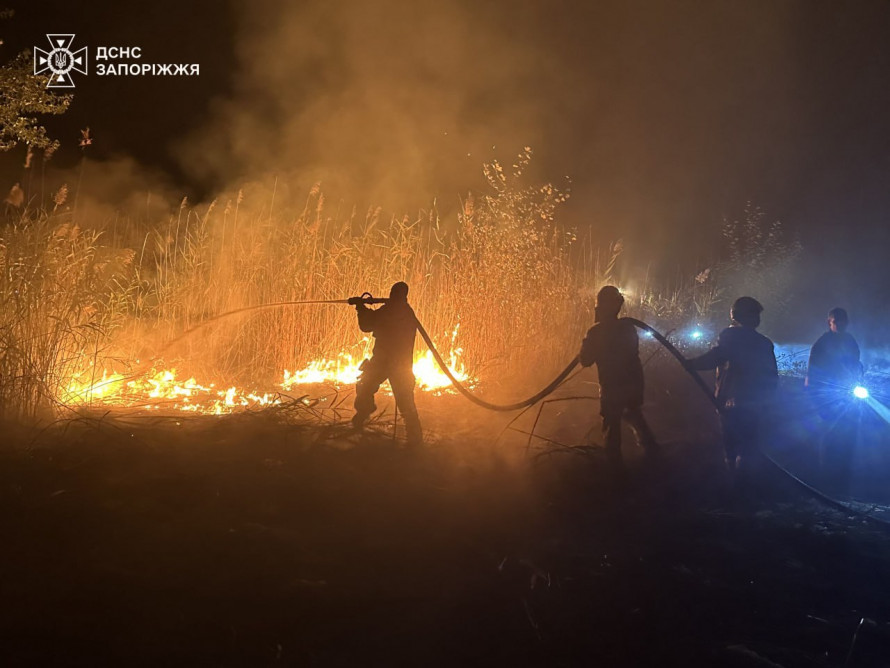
(87, 317)
(88, 312)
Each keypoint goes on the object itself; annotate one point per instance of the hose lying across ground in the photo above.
(423, 333)
(809, 489)
(486, 404)
(812, 491)
(562, 375)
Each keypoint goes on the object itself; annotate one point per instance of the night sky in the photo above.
(667, 116)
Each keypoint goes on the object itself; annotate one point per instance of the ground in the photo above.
(248, 542)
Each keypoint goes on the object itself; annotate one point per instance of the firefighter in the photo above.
(612, 345)
(393, 326)
(834, 369)
(747, 377)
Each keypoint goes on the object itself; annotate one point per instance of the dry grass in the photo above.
(63, 297)
(82, 299)
(75, 300)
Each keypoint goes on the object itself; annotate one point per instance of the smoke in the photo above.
(665, 117)
(386, 103)
(116, 196)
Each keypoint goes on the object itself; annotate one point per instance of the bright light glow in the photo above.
(696, 334)
(344, 370)
(163, 389)
(860, 392)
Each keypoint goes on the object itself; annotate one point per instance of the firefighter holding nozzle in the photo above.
(394, 326)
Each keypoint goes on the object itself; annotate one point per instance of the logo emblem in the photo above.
(60, 61)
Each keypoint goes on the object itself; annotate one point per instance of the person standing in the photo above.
(834, 369)
(747, 377)
(612, 344)
(394, 326)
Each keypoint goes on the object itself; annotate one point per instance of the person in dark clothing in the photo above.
(394, 326)
(833, 371)
(612, 344)
(834, 368)
(747, 376)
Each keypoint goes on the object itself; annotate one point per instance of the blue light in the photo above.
(860, 392)
(696, 334)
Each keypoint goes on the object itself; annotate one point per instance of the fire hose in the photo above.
(262, 307)
(806, 487)
(809, 489)
(556, 382)
(367, 298)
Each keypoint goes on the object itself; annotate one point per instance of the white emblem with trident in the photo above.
(60, 61)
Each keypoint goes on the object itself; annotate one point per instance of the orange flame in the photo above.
(163, 390)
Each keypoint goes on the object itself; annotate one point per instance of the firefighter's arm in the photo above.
(710, 360)
(859, 366)
(809, 380)
(773, 377)
(588, 349)
(715, 357)
(816, 363)
(367, 318)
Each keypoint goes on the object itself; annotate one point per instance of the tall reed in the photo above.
(75, 302)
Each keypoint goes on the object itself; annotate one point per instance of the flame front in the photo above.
(161, 389)
(343, 370)
(164, 390)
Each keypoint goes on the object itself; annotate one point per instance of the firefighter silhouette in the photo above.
(394, 326)
(612, 344)
(834, 369)
(747, 377)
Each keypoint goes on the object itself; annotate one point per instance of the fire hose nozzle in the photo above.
(366, 298)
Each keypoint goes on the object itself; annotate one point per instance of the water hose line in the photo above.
(368, 299)
(145, 367)
(809, 489)
(639, 324)
(487, 404)
(258, 307)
